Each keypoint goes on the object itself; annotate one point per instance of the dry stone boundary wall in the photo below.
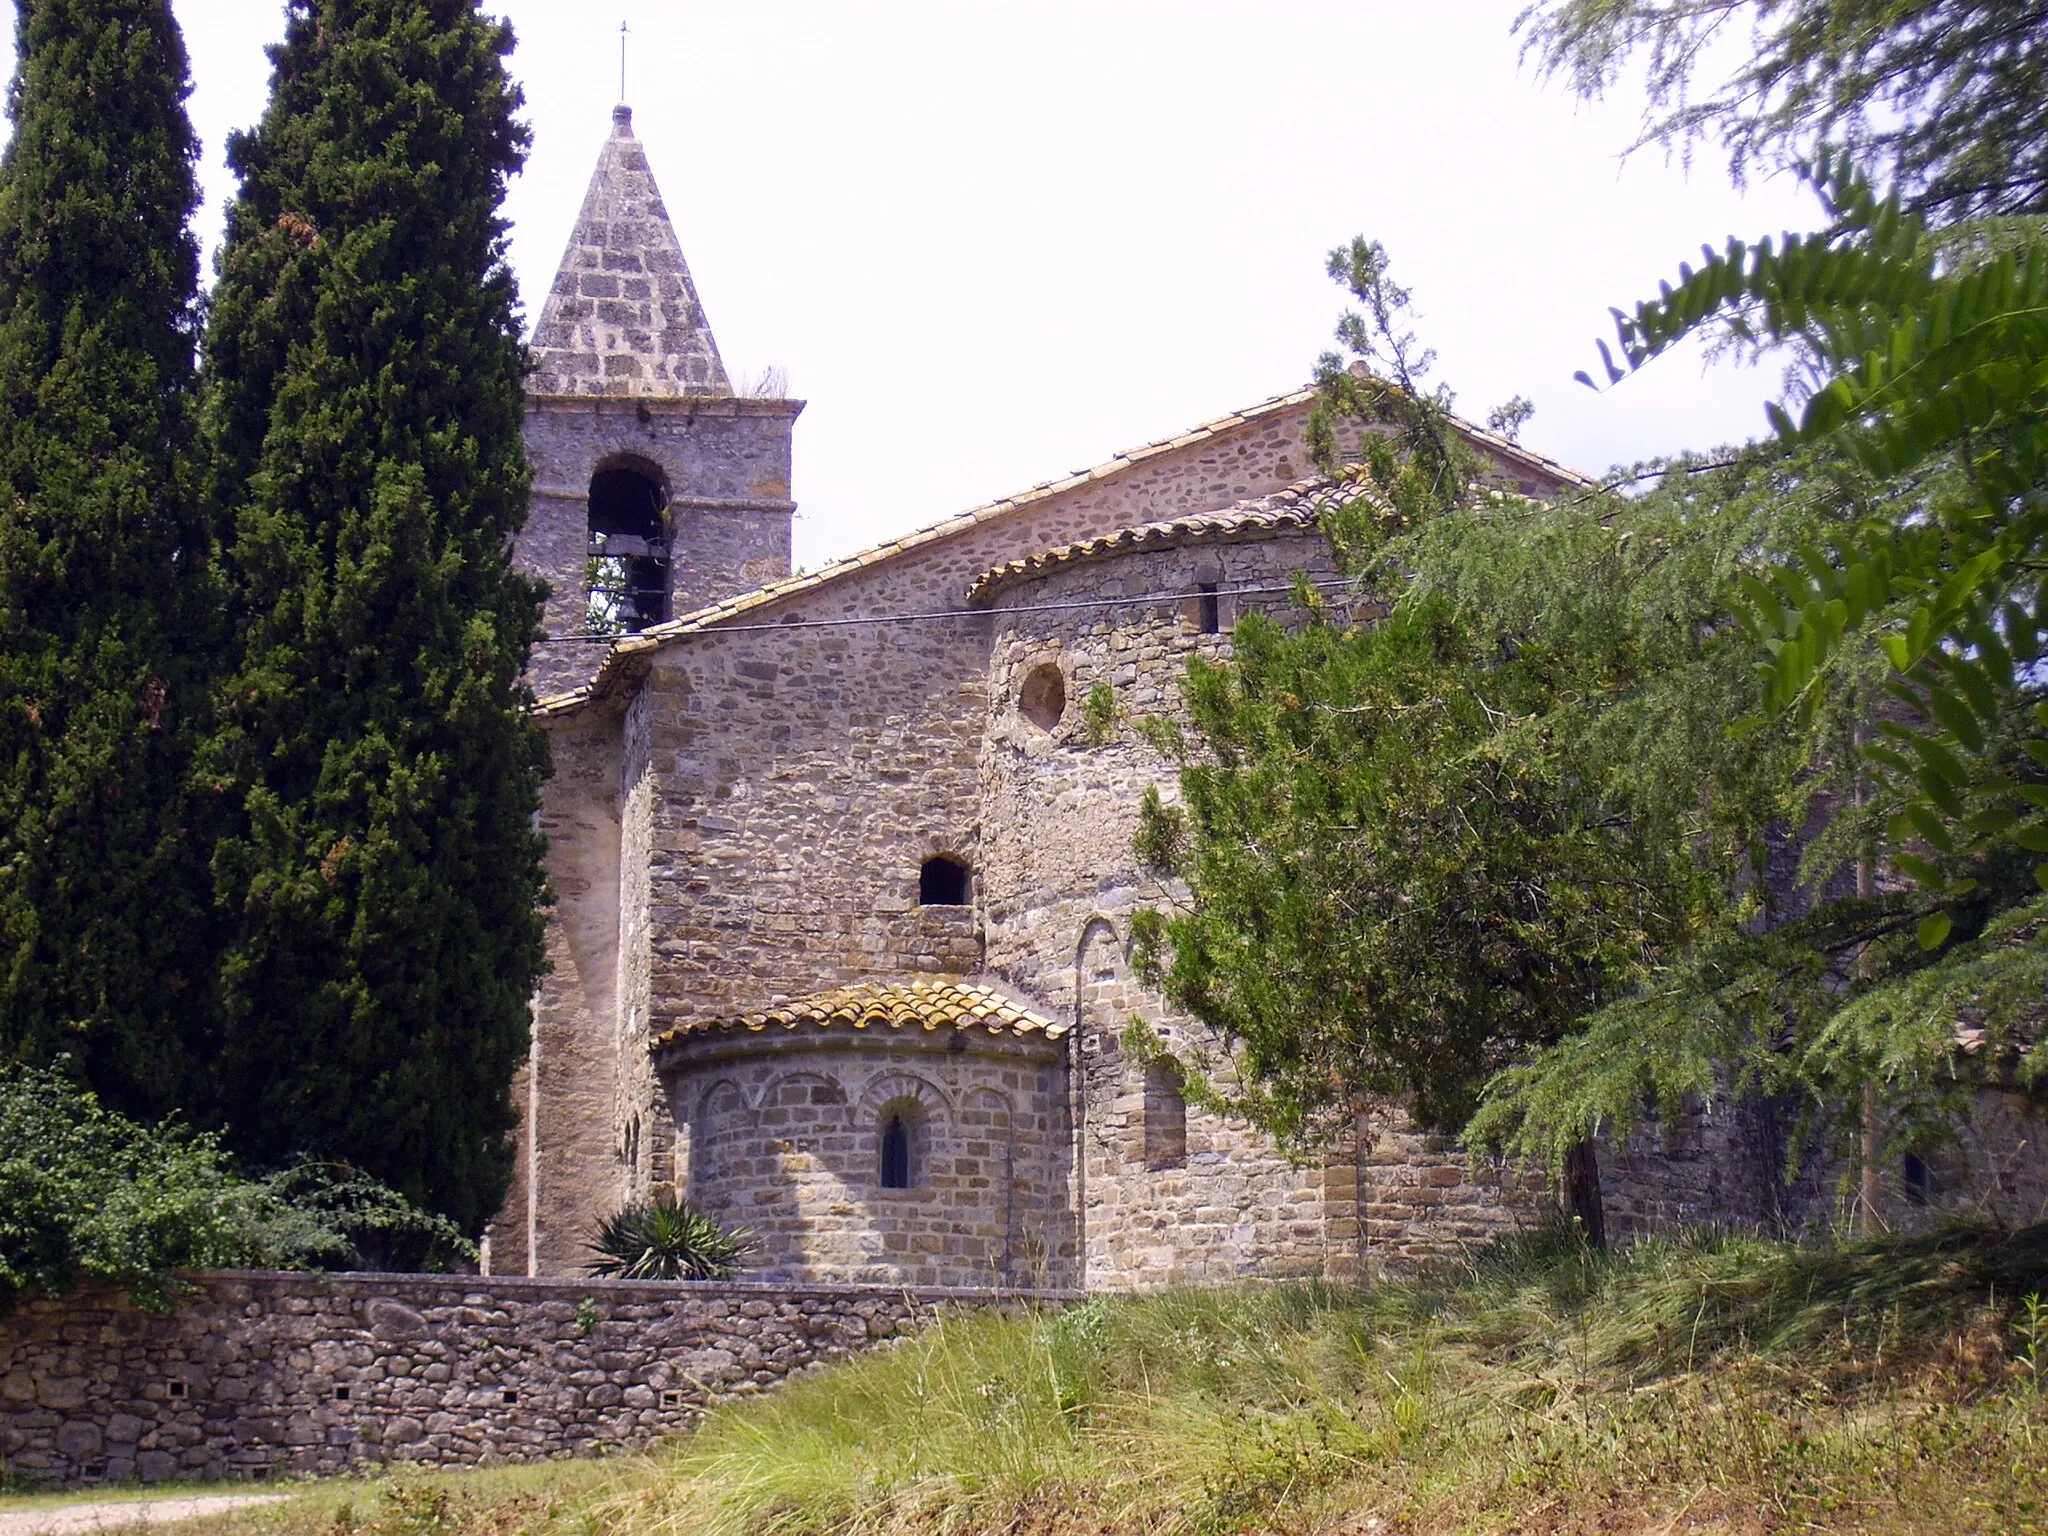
(258, 1374)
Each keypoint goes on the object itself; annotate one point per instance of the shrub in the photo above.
(84, 1191)
(667, 1239)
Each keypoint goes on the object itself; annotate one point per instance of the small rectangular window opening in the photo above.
(1209, 609)
(672, 1397)
(341, 1394)
(176, 1390)
(511, 1398)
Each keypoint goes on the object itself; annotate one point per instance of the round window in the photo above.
(1043, 698)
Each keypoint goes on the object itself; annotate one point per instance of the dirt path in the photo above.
(124, 1514)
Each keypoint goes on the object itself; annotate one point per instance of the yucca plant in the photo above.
(665, 1238)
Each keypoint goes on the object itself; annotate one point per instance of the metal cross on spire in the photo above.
(622, 61)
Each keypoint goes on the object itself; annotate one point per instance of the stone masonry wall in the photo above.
(1170, 1193)
(1214, 1201)
(804, 772)
(780, 1132)
(258, 1375)
(569, 1083)
(1996, 1168)
(806, 760)
(1725, 1167)
(725, 465)
(794, 780)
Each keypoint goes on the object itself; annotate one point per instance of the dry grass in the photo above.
(1729, 1386)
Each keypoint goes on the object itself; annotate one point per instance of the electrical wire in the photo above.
(951, 613)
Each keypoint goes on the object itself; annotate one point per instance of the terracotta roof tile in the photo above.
(1294, 510)
(931, 1004)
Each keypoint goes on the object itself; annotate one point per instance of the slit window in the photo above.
(1919, 1180)
(1208, 609)
(942, 882)
(628, 564)
(896, 1152)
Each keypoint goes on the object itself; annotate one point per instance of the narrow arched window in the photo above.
(628, 566)
(942, 882)
(896, 1152)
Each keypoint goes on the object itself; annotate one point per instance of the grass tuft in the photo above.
(1725, 1385)
(1859, 1386)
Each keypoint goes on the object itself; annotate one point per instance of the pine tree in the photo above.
(1945, 99)
(104, 573)
(381, 777)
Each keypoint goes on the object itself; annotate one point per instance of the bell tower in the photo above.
(656, 490)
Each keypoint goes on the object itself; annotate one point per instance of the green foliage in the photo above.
(372, 766)
(87, 1192)
(1948, 98)
(1927, 372)
(1418, 851)
(1098, 714)
(1536, 1385)
(84, 1191)
(1546, 777)
(355, 1222)
(664, 1238)
(1398, 882)
(106, 599)
(1377, 419)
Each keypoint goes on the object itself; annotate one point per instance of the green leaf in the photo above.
(1948, 708)
(1940, 760)
(1930, 827)
(1922, 872)
(1934, 930)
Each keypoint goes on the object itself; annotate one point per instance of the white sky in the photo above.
(992, 243)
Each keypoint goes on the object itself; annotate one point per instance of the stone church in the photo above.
(842, 860)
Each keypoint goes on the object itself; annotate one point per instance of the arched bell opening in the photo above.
(629, 548)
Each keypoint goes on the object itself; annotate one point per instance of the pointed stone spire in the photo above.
(623, 317)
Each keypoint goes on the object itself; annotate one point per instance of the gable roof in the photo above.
(622, 317)
(628, 654)
(1297, 509)
(927, 1004)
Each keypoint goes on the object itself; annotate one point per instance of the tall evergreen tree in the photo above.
(381, 777)
(1945, 99)
(104, 573)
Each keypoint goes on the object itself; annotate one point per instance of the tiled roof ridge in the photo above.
(929, 1003)
(1295, 509)
(627, 649)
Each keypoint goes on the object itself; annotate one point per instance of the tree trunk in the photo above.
(1582, 1193)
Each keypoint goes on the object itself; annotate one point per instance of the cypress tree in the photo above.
(104, 576)
(381, 867)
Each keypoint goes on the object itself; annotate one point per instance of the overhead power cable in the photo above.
(955, 613)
